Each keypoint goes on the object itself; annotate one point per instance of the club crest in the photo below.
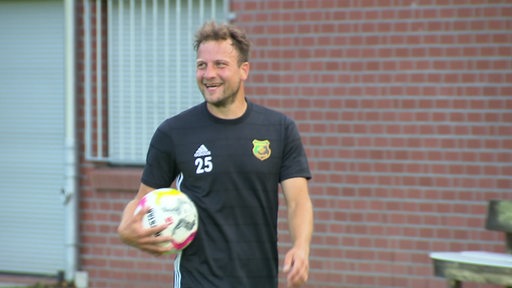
(261, 149)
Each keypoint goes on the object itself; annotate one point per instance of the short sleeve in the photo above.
(295, 162)
(160, 169)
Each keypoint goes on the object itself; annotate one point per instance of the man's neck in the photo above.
(232, 111)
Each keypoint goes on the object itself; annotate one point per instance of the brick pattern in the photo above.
(405, 110)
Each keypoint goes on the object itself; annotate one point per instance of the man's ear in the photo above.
(244, 69)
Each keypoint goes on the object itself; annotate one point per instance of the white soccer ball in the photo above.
(168, 205)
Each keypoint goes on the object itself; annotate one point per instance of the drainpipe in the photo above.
(71, 165)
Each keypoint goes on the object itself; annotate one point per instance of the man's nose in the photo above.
(209, 72)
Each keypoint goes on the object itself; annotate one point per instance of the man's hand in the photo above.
(296, 266)
(132, 232)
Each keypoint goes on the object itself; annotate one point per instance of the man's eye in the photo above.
(201, 65)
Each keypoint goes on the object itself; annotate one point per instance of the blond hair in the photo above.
(212, 31)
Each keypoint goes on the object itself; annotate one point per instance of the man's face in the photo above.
(218, 75)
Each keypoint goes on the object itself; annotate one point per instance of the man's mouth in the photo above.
(211, 85)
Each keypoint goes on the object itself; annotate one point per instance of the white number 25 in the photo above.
(204, 165)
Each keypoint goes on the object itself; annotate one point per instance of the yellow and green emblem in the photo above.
(261, 149)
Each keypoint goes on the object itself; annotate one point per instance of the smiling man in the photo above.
(229, 156)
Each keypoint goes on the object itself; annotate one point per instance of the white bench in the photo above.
(480, 266)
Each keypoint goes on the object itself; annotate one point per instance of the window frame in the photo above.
(105, 140)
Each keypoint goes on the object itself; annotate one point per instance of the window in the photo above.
(151, 70)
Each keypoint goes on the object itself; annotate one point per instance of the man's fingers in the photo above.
(297, 276)
(288, 262)
(157, 245)
(139, 216)
(296, 268)
(157, 230)
(153, 235)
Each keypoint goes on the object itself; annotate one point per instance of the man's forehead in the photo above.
(221, 49)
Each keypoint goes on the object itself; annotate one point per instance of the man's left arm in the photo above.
(300, 222)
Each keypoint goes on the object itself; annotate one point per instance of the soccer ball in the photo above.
(168, 205)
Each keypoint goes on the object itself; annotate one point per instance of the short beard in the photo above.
(226, 101)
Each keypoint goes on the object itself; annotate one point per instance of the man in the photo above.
(229, 156)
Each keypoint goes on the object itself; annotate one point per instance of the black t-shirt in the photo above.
(231, 170)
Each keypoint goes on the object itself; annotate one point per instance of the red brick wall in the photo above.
(405, 108)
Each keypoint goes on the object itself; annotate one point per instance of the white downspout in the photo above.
(70, 181)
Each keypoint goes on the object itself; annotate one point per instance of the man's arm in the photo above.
(300, 222)
(132, 233)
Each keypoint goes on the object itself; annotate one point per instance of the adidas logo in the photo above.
(202, 151)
